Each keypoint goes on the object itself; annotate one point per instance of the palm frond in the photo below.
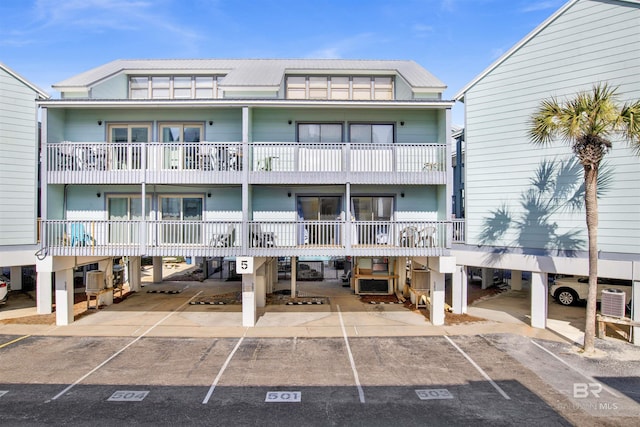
(630, 124)
(545, 123)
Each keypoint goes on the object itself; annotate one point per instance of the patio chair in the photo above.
(382, 235)
(79, 237)
(426, 237)
(262, 239)
(408, 237)
(224, 240)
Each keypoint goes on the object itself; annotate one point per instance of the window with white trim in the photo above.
(371, 133)
(340, 87)
(174, 87)
(319, 132)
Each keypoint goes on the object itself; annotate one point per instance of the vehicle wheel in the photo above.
(566, 296)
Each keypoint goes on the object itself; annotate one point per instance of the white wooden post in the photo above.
(64, 296)
(459, 290)
(437, 297)
(516, 280)
(539, 299)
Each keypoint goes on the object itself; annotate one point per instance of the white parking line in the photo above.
(82, 378)
(353, 365)
(223, 368)
(590, 379)
(482, 372)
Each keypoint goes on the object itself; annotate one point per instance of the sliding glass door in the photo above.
(184, 219)
(319, 215)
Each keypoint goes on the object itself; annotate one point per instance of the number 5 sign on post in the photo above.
(244, 265)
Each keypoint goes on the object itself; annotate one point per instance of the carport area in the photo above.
(186, 307)
(213, 307)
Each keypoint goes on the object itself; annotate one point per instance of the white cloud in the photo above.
(108, 15)
(542, 5)
(448, 5)
(421, 30)
(341, 48)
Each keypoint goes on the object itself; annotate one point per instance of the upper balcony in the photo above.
(226, 163)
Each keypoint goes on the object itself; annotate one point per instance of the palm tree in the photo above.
(588, 122)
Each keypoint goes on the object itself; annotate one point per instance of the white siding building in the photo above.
(515, 219)
(260, 158)
(18, 172)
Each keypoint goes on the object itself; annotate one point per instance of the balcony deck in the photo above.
(265, 163)
(216, 238)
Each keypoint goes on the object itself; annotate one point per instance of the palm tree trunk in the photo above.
(591, 205)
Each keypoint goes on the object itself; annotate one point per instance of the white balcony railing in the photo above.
(458, 231)
(211, 238)
(73, 162)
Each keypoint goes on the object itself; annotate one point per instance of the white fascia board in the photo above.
(41, 93)
(75, 103)
(249, 88)
(460, 95)
(543, 264)
(435, 89)
(73, 89)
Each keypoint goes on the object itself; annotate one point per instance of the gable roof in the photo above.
(254, 72)
(40, 93)
(460, 95)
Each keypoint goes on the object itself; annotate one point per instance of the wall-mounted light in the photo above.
(402, 194)
(402, 123)
(289, 122)
(99, 122)
(98, 194)
(289, 194)
(210, 122)
(208, 194)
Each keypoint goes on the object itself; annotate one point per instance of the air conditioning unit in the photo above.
(612, 303)
(95, 281)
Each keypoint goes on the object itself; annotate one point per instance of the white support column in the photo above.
(44, 294)
(487, 278)
(248, 301)
(16, 278)
(436, 286)
(135, 273)
(157, 269)
(106, 265)
(260, 288)
(402, 274)
(44, 288)
(635, 310)
(274, 275)
(539, 299)
(64, 296)
(294, 274)
(459, 290)
(516, 280)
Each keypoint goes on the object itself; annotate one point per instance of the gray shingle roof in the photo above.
(255, 72)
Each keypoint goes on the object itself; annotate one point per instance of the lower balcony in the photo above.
(256, 238)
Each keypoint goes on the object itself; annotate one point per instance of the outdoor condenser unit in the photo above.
(95, 280)
(612, 303)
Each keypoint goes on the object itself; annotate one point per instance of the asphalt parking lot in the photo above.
(500, 379)
(155, 359)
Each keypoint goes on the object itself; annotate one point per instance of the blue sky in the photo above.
(47, 41)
